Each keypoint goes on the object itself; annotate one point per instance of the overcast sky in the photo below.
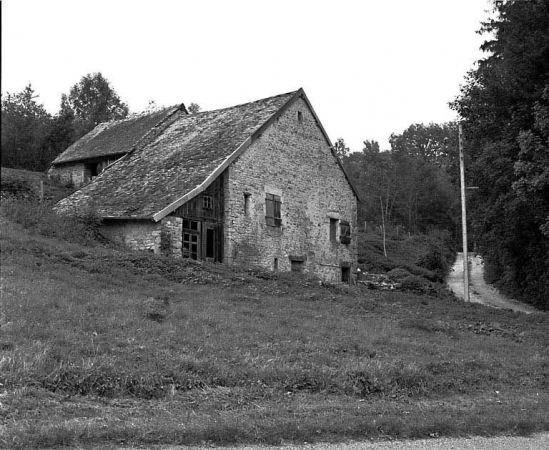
(369, 67)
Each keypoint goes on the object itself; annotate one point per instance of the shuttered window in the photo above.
(344, 232)
(273, 204)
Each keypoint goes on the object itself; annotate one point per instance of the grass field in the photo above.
(103, 347)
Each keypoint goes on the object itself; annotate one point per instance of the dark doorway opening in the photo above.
(210, 243)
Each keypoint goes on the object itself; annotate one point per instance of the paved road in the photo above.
(479, 291)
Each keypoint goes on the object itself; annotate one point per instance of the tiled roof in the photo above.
(114, 138)
(175, 163)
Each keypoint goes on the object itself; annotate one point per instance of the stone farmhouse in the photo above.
(257, 184)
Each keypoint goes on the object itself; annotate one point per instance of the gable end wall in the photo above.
(293, 160)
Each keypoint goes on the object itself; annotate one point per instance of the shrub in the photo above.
(415, 284)
(40, 218)
(398, 274)
(436, 261)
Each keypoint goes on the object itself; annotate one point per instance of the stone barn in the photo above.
(257, 184)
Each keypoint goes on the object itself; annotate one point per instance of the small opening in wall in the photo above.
(299, 116)
(275, 265)
(345, 274)
(247, 204)
(297, 266)
(207, 202)
(333, 230)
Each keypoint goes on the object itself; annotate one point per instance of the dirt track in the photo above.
(479, 290)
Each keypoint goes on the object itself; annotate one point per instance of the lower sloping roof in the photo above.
(177, 164)
(115, 138)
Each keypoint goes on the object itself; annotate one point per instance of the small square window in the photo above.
(297, 266)
(207, 202)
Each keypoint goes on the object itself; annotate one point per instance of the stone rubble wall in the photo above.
(74, 174)
(171, 236)
(293, 160)
(137, 235)
(147, 235)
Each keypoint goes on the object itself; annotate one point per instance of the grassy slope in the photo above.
(100, 345)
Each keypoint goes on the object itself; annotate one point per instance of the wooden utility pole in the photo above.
(463, 218)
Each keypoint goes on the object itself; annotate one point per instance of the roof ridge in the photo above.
(291, 93)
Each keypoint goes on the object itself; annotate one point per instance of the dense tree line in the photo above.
(411, 187)
(32, 138)
(504, 107)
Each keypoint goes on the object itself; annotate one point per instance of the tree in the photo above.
(93, 101)
(502, 107)
(532, 167)
(194, 108)
(25, 124)
(435, 143)
(341, 148)
(405, 187)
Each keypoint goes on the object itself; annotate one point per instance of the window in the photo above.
(297, 266)
(275, 265)
(207, 202)
(190, 245)
(272, 209)
(344, 232)
(299, 116)
(247, 204)
(190, 239)
(190, 224)
(333, 229)
(345, 274)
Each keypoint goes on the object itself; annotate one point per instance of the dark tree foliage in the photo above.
(32, 138)
(341, 148)
(93, 101)
(434, 143)
(504, 111)
(25, 124)
(411, 188)
(194, 108)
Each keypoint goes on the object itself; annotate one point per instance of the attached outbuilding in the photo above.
(257, 184)
(106, 143)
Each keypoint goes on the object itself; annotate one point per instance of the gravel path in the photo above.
(479, 291)
(535, 442)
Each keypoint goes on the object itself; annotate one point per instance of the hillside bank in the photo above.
(105, 347)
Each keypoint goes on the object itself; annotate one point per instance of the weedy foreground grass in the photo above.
(100, 346)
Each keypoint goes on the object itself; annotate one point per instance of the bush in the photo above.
(417, 285)
(398, 274)
(12, 188)
(40, 218)
(437, 260)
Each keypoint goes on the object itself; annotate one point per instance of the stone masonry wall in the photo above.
(171, 236)
(290, 159)
(74, 173)
(156, 237)
(137, 235)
